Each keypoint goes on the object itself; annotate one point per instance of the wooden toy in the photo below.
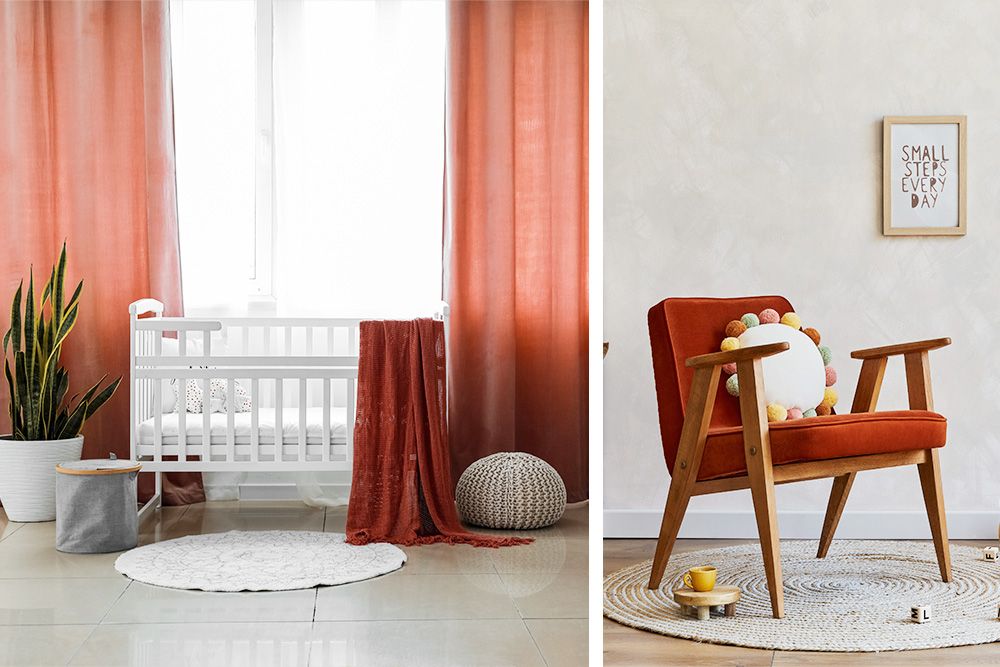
(920, 614)
(991, 554)
(702, 603)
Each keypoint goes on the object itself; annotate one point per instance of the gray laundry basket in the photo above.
(96, 506)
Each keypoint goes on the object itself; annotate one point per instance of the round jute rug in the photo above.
(858, 598)
(270, 560)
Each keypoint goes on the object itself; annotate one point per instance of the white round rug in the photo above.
(858, 598)
(272, 560)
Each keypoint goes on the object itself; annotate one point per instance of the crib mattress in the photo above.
(242, 427)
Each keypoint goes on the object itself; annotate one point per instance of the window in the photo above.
(310, 144)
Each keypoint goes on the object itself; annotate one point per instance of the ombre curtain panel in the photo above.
(87, 156)
(516, 233)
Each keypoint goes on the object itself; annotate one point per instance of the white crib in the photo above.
(301, 374)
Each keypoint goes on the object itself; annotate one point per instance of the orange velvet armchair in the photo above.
(714, 443)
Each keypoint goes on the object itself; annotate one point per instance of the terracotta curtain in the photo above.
(401, 488)
(87, 155)
(516, 233)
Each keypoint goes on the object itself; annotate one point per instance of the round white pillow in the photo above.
(794, 378)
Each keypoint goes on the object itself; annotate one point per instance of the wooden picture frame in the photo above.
(923, 194)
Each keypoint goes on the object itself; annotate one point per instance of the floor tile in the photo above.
(562, 641)
(336, 520)
(24, 646)
(153, 604)
(418, 596)
(219, 517)
(549, 594)
(466, 642)
(6, 526)
(196, 645)
(542, 555)
(57, 601)
(447, 559)
(30, 552)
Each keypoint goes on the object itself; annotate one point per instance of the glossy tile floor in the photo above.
(449, 605)
(627, 646)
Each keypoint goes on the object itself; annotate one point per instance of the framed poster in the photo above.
(923, 176)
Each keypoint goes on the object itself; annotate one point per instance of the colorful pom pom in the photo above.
(823, 410)
(749, 320)
(792, 320)
(735, 328)
(831, 376)
(827, 355)
(776, 413)
(733, 386)
(812, 333)
(794, 413)
(729, 369)
(830, 397)
(769, 316)
(730, 344)
(809, 413)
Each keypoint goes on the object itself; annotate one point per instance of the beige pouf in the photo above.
(511, 490)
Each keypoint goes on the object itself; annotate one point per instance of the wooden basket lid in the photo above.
(98, 467)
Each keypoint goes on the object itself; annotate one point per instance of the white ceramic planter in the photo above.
(28, 475)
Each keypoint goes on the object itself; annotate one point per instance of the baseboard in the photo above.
(270, 491)
(706, 524)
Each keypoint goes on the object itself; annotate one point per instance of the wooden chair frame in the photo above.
(762, 475)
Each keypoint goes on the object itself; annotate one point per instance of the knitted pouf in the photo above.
(511, 490)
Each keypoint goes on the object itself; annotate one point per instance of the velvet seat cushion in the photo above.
(823, 438)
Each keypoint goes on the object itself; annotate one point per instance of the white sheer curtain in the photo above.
(359, 150)
(358, 141)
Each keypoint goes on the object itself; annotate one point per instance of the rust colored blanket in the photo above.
(402, 490)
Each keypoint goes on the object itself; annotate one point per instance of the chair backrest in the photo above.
(686, 327)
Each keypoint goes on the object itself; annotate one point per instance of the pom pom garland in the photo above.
(769, 316)
(775, 411)
(792, 320)
(830, 397)
(730, 344)
(735, 328)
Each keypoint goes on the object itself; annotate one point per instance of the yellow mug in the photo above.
(702, 579)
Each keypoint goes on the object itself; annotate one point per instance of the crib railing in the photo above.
(286, 364)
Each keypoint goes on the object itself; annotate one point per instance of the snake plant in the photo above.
(37, 383)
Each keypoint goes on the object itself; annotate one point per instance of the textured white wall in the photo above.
(743, 156)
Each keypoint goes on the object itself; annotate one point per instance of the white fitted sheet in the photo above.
(242, 427)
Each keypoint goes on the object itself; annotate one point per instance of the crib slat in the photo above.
(309, 341)
(182, 434)
(327, 408)
(352, 332)
(157, 423)
(206, 419)
(254, 420)
(301, 455)
(329, 341)
(231, 420)
(182, 340)
(279, 422)
(288, 341)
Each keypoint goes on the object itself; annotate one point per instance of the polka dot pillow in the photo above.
(195, 397)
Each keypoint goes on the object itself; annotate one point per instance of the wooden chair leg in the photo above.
(673, 515)
(930, 482)
(834, 509)
(757, 448)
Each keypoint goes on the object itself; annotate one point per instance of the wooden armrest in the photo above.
(901, 348)
(734, 356)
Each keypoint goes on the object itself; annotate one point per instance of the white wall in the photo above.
(743, 156)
